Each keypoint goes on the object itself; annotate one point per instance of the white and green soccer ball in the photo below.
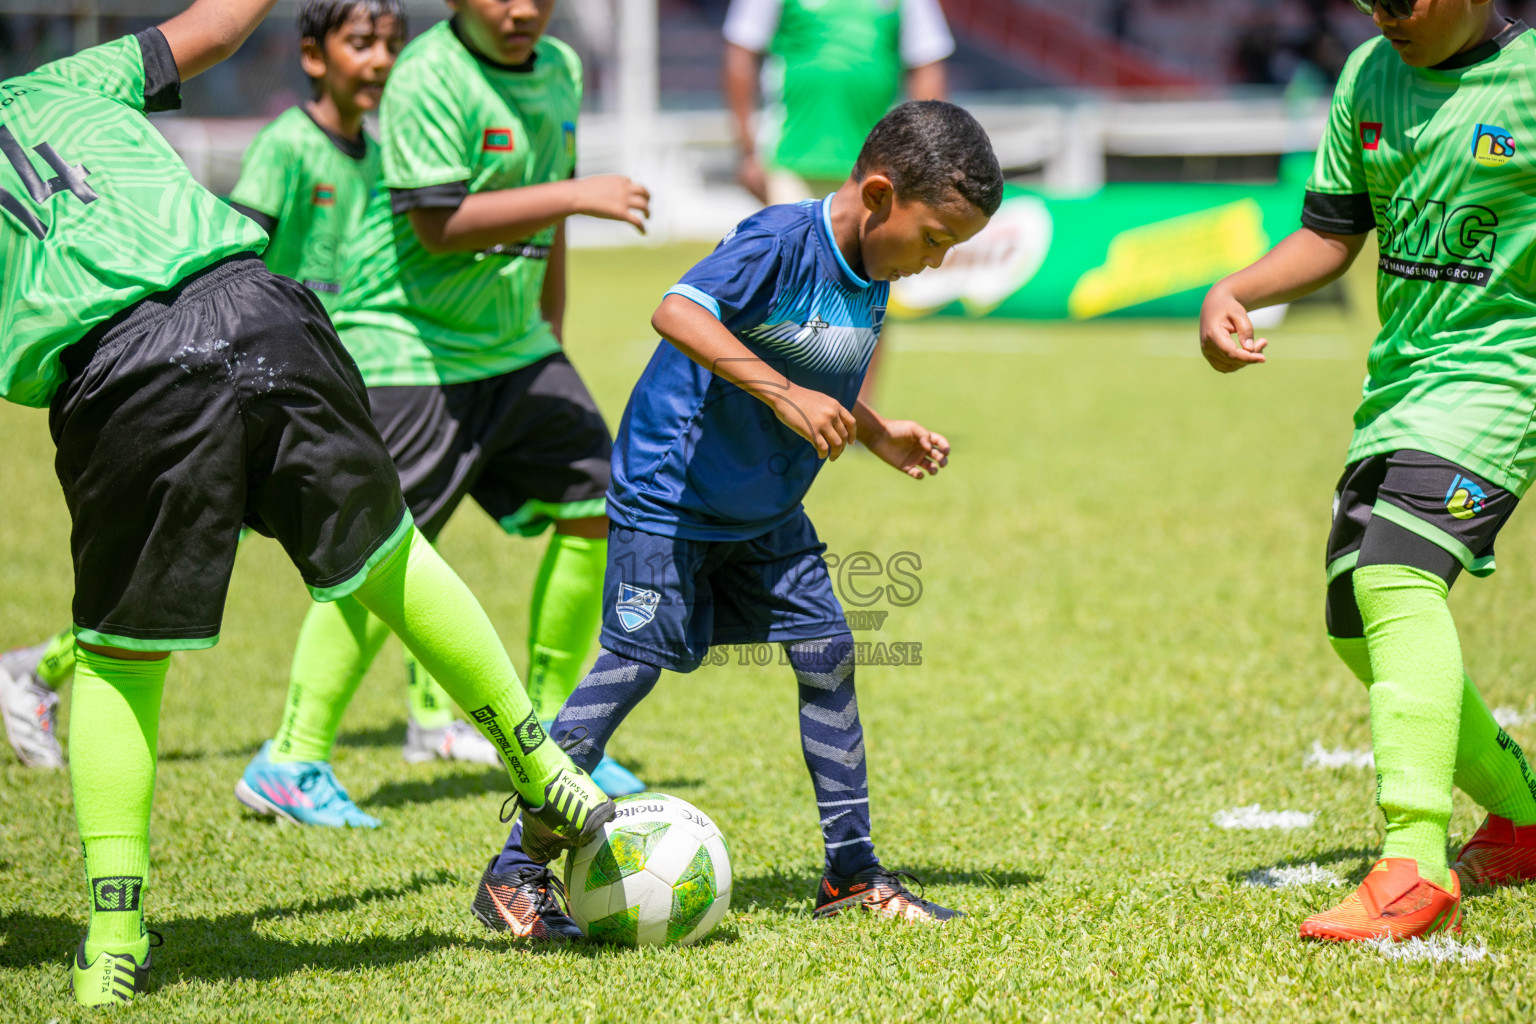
(659, 875)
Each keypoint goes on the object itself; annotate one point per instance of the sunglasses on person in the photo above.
(1396, 8)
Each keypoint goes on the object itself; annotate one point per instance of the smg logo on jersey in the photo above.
(1426, 240)
(1492, 146)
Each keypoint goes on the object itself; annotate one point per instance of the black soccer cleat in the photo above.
(877, 891)
(527, 902)
(574, 812)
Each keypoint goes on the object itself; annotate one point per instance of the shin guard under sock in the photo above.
(113, 741)
(833, 743)
(1415, 708)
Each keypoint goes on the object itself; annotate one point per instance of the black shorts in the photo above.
(226, 400)
(528, 446)
(1409, 508)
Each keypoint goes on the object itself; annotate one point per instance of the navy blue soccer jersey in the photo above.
(696, 456)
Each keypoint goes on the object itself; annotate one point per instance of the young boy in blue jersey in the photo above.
(754, 388)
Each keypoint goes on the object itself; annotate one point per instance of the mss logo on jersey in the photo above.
(1464, 498)
(1492, 146)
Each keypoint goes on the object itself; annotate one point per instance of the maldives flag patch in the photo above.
(323, 195)
(498, 140)
(1370, 134)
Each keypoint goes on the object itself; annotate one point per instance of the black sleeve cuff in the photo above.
(1339, 215)
(266, 222)
(162, 82)
(429, 197)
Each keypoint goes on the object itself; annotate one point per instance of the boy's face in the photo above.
(355, 59)
(1436, 30)
(902, 238)
(504, 30)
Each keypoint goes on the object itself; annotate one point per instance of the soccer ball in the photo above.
(659, 875)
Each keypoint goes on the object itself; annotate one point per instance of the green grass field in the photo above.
(1121, 630)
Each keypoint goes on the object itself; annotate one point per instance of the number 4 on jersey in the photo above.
(67, 178)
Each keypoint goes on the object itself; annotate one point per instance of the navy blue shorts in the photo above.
(666, 600)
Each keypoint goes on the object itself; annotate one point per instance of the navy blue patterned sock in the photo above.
(833, 741)
(598, 704)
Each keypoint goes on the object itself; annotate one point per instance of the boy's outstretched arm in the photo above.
(818, 418)
(1302, 263)
(210, 31)
(905, 444)
(509, 215)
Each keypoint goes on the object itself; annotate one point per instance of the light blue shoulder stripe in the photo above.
(693, 294)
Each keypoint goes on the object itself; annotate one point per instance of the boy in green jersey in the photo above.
(1428, 146)
(191, 391)
(306, 179)
(452, 305)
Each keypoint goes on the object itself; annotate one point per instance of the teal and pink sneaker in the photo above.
(303, 792)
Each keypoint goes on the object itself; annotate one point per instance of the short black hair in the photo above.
(319, 18)
(931, 149)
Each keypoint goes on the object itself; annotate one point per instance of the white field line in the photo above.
(1435, 949)
(1253, 816)
(1339, 757)
(1291, 876)
(1507, 717)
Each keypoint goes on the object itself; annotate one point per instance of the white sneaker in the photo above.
(28, 706)
(456, 741)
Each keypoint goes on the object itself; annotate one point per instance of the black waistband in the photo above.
(151, 309)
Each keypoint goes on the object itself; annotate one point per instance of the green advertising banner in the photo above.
(1126, 250)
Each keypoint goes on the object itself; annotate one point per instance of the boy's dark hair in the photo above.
(931, 149)
(319, 18)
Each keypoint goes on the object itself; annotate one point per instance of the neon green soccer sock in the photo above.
(337, 643)
(442, 624)
(1490, 766)
(58, 661)
(565, 614)
(113, 739)
(429, 704)
(1415, 708)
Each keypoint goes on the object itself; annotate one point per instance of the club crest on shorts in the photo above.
(636, 606)
(1464, 499)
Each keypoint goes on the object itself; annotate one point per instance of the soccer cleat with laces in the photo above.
(877, 891)
(1499, 853)
(303, 792)
(111, 977)
(29, 707)
(526, 902)
(574, 811)
(1393, 902)
(456, 741)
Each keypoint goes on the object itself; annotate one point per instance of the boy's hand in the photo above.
(1222, 316)
(911, 447)
(614, 197)
(819, 418)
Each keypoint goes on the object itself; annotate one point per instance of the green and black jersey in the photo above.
(452, 124)
(96, 209)
(307, 188)
(1440, 162)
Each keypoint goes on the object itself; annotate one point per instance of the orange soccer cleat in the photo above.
(1393, 902)
(1499, 853)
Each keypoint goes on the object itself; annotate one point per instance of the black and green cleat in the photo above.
(110, 978)
(574, 811)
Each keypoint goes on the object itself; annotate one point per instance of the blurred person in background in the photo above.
(833, 69)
